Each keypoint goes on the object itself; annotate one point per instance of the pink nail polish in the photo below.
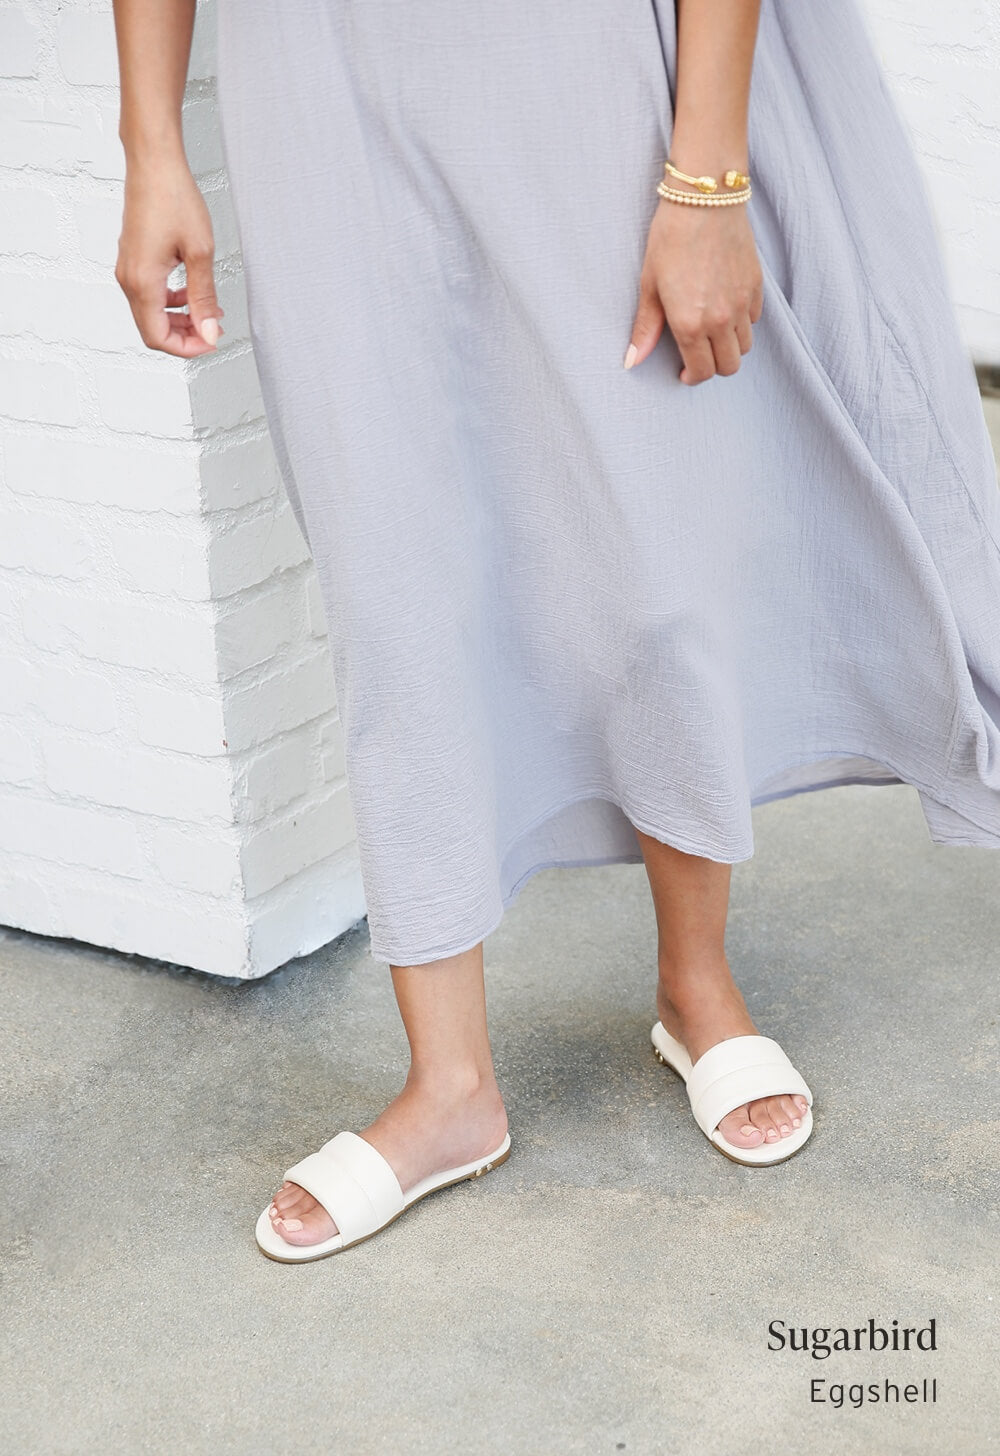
(292, 1224)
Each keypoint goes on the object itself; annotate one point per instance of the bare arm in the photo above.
(165, 220)
(701, 275)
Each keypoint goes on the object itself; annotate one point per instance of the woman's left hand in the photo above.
(701, 276)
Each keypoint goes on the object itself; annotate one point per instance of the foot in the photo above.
(704, 1007)
(425, 1130)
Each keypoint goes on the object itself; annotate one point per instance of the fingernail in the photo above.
(293, 1225)
(631, 354)
(210, 330)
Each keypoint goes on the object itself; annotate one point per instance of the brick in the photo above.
(281, 850)
(18, 43)
(128, 631)
(307, 911)
(225, 229)
(186, 721)
(98, 221)
(200, 859)
(29, 222)
(201, 66)
(11, 603)
(225, 390)
(240, 474)
(162, 922)
(251, 631)
(170, 559)
(136, 479)
(28, 898)
(253, 550)
(17, 757)
(272, 779)
(279, 702)
(315, 610)
(40, 131)
(85, 47)
(44, 393)
(202, 140)
(68, 311)
(171, 786)
(18, 684)
(71, 695)
(101, 150)
(331, 748)
(43, 545)
(68, 834)
(146, 402)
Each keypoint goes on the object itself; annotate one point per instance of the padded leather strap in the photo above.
(353, 1182)
(737, 1070)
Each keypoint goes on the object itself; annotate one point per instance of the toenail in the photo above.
(293, 1225)
(748, 1129)
(797, 1121)
(785, 1127)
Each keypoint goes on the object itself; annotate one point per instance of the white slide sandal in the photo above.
(361, 1193)
(737, 1070)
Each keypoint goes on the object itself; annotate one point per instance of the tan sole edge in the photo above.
(465, 1178)
(743, 1163)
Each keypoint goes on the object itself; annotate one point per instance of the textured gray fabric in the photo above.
(565, 598)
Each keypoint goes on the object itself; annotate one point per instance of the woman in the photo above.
(580, 613)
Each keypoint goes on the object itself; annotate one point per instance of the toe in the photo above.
(291, 1200)
(760, 1116)
(298, 1218)
(737, 1129)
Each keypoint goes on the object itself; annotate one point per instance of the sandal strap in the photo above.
(738, 1070)
(353, 1182)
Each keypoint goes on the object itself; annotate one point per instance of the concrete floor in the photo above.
(610, 1287)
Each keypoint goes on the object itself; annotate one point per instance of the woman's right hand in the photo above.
(166, 222)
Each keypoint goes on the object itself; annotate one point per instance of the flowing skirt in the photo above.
(567, 600)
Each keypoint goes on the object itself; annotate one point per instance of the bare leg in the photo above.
(449, 1110)
(697, 999)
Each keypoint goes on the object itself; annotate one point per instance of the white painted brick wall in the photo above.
(171, 764)
(943, 63)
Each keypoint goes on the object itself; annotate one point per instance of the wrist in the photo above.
(148, 146)
(697, 150)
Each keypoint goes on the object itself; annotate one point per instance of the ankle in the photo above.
(685, 981)
(451, 1084)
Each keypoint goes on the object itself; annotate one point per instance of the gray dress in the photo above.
(566, 599)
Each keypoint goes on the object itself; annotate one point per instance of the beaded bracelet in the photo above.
(697, 199)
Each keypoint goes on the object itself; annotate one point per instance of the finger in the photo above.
(647, 325)
(699, 360)
(726, 348)
(178, 297)
(172, 333)
(744, 333)
(202, 303)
